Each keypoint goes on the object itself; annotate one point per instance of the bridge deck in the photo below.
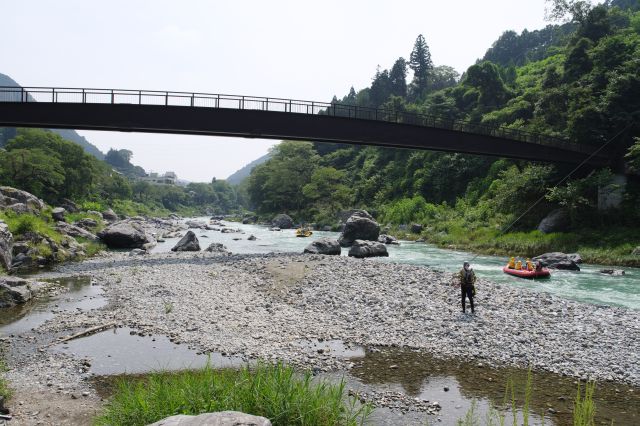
(269, 118)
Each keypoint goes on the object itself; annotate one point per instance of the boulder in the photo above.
(124, 235)
(75, 231)
(196, 224)
(362, 248)
(14, 291)
(636, 251)
(575, 257)
(274, 228)
(221, 418)
(388, 239)
(137, 252)
(558, 260)
(109, 215)
(416, 228)
(86, 223)
(19, 208)
(69, 206)
(282, 221)
(359, 227)
(19, 247)
(217, 248)
(9, 196)
(556, 221)
(58, 214)
(188, 243)
(324, 246)
(6, 246)
(252, 238)
(614, 272)
(345, 215)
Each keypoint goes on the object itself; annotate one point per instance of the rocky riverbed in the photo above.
(264, 306)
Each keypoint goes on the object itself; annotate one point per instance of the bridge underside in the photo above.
(275, 125)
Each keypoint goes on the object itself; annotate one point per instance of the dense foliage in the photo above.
(52, 168)
(579, 80)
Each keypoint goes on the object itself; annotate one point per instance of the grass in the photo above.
(583, 409)
(5, 391)
(273, 391)
(20, 224)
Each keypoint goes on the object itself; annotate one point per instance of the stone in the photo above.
(69, 206)
(19, 208)
(187, 243)
(221, 418)
(6, 246)
(75, 231)
(124, 235)
(416, 228)
(58, 214)
(614, 272)
(274, 228)
(362, 248)
(558, 260)
(359, 227)
(328, 246)
(9, 196)
(252, 238)
(14, 291)
(345, 215)
(20, 247)
(137, 252)
(86, 223)
(388, 239)
(196, 224)
(217, 248)
(282, 221)
(636, 251)
(109, 215)
(556, 221)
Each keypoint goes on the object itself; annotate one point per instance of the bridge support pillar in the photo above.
(610, 196)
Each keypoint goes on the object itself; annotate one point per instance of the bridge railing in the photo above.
(207, 100)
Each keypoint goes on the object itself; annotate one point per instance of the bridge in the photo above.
(275, 118)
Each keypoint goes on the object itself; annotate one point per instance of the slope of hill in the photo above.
(243, 173)
(70, 135)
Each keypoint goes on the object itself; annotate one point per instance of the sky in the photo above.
(308, 50)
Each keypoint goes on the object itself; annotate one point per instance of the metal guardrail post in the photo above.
(112, 97)
(166, 98)
(139, 97)
(53, 95)
(84, 97)
(192, 95)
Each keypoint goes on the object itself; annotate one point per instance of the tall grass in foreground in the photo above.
(583, 409)
(273, 391)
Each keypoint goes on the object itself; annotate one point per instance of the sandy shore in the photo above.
(264, 306)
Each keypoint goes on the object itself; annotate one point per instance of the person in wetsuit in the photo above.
(467, 281)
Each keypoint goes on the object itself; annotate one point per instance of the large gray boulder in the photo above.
(86, 223)
(9, 196)
(556, 221)
(324, 246)
(416, 228)
(388, 239)
(359, 227)
(346, 214)
(222, 418)
(187, 243)
(217, 248)
(282, 221)
(124, 235)
(109, 215)
(14, 291)
(75, 231)
(58, 213)
(636, 251)
(6, 246)
(558, 260)
(361, 248)
(69, 206)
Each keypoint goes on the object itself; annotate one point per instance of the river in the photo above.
(587, 285)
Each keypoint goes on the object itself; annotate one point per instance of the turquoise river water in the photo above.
(587, 285)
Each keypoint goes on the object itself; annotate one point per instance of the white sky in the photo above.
(300, 49)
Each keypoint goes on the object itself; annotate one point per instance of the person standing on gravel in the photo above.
(467, 280)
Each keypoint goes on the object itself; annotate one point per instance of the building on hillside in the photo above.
(169, 178)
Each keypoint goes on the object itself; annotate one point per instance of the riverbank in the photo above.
(261, 306)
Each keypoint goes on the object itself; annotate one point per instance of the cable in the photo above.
(561, 182)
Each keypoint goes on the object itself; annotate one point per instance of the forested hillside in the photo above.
(579, 81)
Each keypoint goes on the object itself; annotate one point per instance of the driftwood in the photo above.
(82, 333)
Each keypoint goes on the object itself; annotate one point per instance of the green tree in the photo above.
(327, 192)
(398, 78)
(421, 64)
(33, 170)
